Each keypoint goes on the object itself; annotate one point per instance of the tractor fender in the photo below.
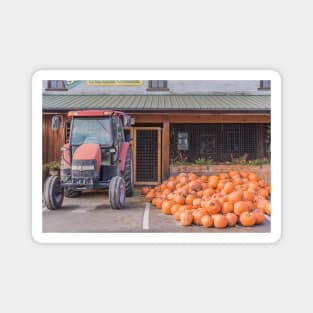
(124, 149)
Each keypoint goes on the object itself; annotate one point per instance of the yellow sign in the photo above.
(114, 82)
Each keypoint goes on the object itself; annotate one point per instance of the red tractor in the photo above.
(96, 157)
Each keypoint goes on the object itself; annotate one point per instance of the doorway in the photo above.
(147, 155)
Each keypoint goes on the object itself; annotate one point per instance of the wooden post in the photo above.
(260, 143)
(166, 150)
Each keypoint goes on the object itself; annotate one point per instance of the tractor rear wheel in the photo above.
(71, 193)
(117, 192)
(53, 193)
(128, 173)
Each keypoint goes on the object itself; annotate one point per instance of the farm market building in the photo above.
(174, 121)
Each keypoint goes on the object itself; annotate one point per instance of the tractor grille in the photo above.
(84, 169)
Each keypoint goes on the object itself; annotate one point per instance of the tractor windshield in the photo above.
(91, 130)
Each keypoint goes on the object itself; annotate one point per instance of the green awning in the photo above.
(157, 102)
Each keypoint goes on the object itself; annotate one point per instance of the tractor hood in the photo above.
(87, 157)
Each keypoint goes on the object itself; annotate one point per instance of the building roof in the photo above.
(157, 102)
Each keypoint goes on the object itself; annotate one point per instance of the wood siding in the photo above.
(51, 139)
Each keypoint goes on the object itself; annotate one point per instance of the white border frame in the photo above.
(42, 237)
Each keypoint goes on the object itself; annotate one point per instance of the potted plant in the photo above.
(54, 168)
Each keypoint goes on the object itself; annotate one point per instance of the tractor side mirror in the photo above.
(55, 122)
(128, 121)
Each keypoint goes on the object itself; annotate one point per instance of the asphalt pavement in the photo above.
(91, 213)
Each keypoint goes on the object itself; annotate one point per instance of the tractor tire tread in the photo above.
(114, 195)
(128, 174)
(49, 196)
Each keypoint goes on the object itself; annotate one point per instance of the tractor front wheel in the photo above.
(117, 192)
(53, 193)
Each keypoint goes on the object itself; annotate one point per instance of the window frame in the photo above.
(49, 88)
(164, 88)
(262, 86)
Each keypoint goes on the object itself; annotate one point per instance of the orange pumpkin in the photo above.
(259, 216)
(195, 185)
(247, 219)
(175, 208)
(223, 176)
(220, 221)
(253, 177)
(213, 206)
(185, 207)
(198, 214)
(144, 190)
(206, 221)
(213, 181)
(208, 192)
(154, 201)
(227, 207)
(166, 206)
(192, 176)
(231, 219)
(262, 204)
(196, 203)
(204, 178)
(267, 209)
(159, 202)
(171, 185)
(186, 218)
(189, 199)
(199, 194)
(149, 196)
(263, 192)
(268, 188)
(228, 187)
(235, 196)
(177, 216)
(248, 195)
(250, 205)
(243, 174)
(237, 180)
(233, 173)
(179, 199)
(240, 207)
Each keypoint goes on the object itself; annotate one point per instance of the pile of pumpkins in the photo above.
(219, 201)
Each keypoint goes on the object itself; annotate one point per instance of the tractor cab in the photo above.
(97, 156)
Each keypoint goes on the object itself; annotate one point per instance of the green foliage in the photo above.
(180, 163)
(257, 162)
(54, 165)
(201, 161)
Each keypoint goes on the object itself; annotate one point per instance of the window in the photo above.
(233, 141)
(265, 84)
(56, 85)
(118, 129)
(157, 85)
(90, 130)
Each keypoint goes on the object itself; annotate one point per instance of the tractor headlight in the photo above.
(83, 167)
(106, 158)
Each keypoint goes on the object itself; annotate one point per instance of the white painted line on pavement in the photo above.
(145, 221)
